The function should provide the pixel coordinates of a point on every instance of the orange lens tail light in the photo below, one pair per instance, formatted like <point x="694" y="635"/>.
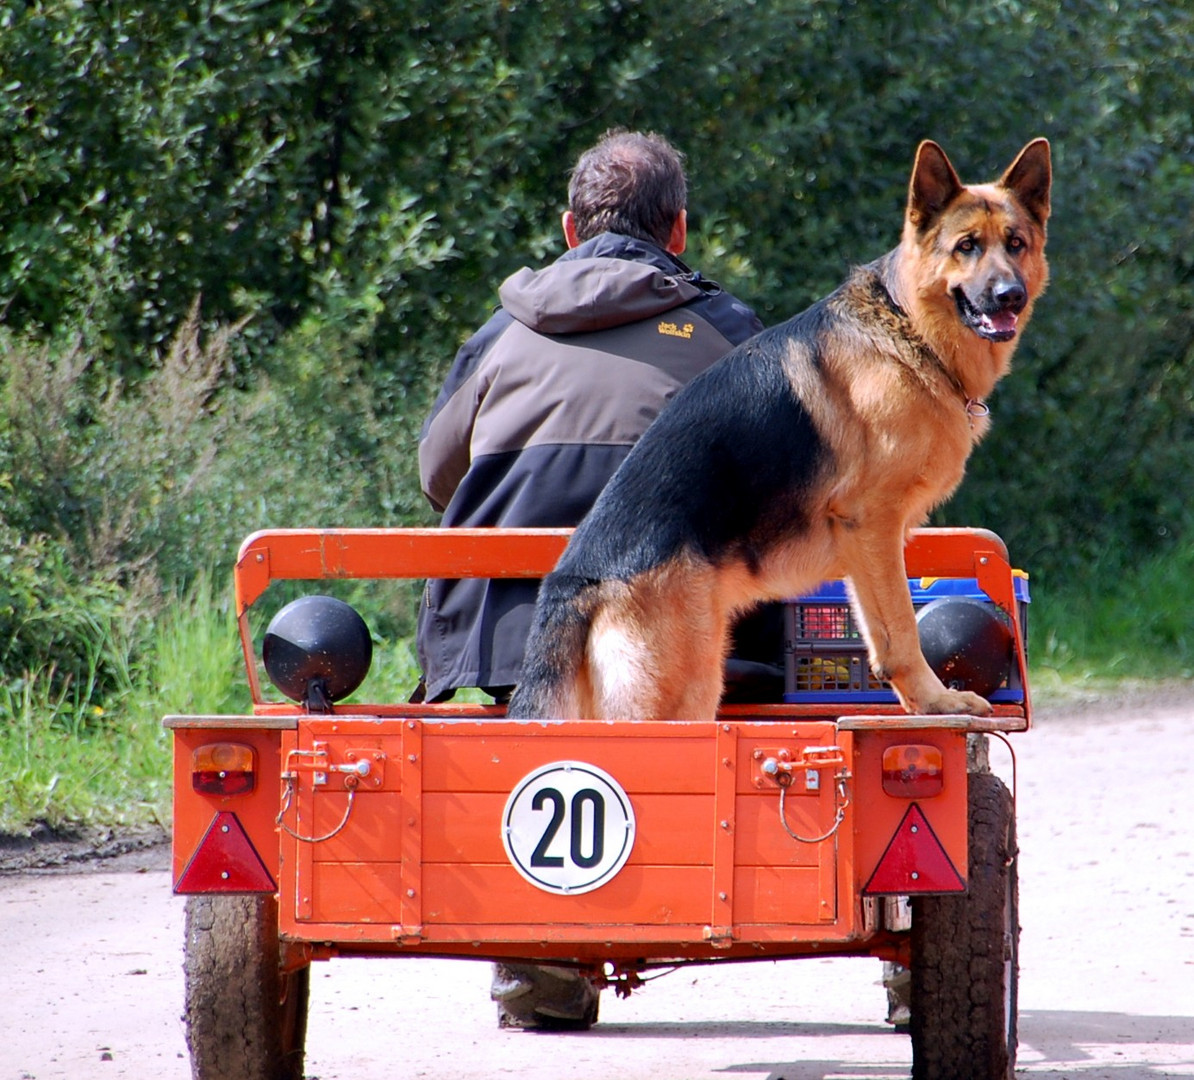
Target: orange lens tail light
<point x="223" y="769"/>
<point x="912" y="771"/>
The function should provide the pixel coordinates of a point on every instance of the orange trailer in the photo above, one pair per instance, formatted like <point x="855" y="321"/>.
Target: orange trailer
<point x="828" y="823"/>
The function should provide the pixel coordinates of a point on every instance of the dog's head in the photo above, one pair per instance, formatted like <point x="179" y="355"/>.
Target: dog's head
<point x="980" y="248"/>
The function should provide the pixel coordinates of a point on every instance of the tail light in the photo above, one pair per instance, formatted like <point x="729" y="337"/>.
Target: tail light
<point x="223" y="769"/>
<point x="912" y="771"/>
<point x="915" y="861"/>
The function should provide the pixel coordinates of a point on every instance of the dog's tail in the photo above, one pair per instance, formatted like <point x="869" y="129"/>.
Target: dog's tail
<point x="555" y="655"/>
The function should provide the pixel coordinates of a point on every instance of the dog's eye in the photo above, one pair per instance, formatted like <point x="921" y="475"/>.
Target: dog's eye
<point x="1016" y="243"/>
<point x="967" y="245"/>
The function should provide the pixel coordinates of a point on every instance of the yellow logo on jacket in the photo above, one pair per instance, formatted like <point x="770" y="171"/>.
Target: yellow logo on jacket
<point x="671" y="329"/>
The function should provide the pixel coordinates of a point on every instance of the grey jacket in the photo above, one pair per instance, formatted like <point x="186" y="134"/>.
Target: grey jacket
<point x="539" y="408"/>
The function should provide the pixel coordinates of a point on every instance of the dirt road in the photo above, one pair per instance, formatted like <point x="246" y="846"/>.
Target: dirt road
<point x="91" y="979"/>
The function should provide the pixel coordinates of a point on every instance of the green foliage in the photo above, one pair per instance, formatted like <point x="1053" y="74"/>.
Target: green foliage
<point x="69" y="760"/>
<point x="63" y="756"/>
<point x="801" y="120"/>
<point x="1121" y="624"/>
<point x="194" y="663"/>
<point x="56" y="628"/>
<point x="115" y="474"/>
<point x="1088" y="464"/>
<point x="356" y="177"/>
<point x="114" y="770"/>
<point x="121" y="493"/>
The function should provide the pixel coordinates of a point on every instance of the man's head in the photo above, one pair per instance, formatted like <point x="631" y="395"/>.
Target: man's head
<point x="630" y="183"/>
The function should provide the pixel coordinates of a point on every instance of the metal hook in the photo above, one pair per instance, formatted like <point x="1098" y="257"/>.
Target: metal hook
<point x="841" y="798"/>
<point x="288" y="796"/>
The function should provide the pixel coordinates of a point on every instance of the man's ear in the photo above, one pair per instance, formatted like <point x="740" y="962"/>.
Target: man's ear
<point x="678" y="240"/>
<point x="569" y="223"/>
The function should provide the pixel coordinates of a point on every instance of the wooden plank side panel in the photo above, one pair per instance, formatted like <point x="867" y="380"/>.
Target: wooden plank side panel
<point x="781" y="881"/>
<point x="434" y="826"/>
<point x="374" y="832"/>
<point x="639" y="895"/>
<point x="354" y="892"/>
<point x="784" y="895"/>
<point x="762" y="840"/>
<point x="466" y="827"/>
<point x="469" y="757"/>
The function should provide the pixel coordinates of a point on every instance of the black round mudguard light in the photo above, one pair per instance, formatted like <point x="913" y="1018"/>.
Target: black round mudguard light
<point x="317" y="650"/>
<point x="966" y="643"/>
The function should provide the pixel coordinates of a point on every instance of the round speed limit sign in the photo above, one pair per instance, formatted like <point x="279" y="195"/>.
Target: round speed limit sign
<point x="568" y="827"/>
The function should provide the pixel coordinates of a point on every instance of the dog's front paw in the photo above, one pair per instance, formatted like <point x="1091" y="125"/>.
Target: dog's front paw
<point x="958" y="701"/>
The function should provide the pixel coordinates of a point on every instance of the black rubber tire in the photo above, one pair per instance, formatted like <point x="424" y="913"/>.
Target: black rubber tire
<point x="965" y="954"/>
<point x="245" y="1020"/>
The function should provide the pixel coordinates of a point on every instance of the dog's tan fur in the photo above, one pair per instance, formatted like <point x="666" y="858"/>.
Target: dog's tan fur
<point x="893" y="384"/>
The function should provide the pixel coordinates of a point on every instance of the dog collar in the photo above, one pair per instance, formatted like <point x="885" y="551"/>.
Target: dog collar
<point x="975" y="408"/>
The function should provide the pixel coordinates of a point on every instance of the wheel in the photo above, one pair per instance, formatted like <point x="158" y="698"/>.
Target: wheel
<point x="245" y="1019"/>
<point x="965" y="955"/>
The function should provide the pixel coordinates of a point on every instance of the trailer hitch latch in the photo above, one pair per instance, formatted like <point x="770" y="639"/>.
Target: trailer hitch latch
<point x="783" y="766"/>
<point x="360" y="769"/>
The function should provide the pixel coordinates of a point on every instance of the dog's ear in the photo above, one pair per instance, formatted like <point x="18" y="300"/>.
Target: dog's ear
<point x="1030" y="178"/>
<point x="933" y="187"/>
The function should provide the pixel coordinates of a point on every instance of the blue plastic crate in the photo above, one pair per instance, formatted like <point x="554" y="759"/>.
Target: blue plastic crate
<point x="825" y="658"/>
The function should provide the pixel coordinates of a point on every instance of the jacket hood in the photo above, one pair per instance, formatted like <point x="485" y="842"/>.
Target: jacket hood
<point x="609" y="281"/>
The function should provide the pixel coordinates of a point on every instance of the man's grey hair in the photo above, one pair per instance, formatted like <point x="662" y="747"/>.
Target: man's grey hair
<point x="631" y="183"/>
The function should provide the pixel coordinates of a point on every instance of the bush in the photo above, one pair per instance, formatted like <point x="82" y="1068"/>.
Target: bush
<point x="117" y="495"/>
<point x="345" y="182"/>
<point x="57" y="628"/>
<point x="356" y="178"/>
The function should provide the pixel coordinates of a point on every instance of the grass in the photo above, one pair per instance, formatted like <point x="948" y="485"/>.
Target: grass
<point x="66" y="764"/>
<point x="1117" y="626"/>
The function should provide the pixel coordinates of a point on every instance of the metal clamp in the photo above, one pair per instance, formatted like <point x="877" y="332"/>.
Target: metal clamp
<point x="317" y="761"/>
<point x="779" y="767"/>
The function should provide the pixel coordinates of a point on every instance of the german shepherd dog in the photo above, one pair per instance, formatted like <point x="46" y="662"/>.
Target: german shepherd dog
<point x="807" y="453"/>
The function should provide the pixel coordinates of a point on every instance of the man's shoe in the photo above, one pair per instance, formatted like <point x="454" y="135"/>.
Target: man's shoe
<point x="543" y="997"/>
<point x="897" y="980"/>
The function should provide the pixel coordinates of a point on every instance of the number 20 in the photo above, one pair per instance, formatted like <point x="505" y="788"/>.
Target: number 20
<point x="597" y="842"/>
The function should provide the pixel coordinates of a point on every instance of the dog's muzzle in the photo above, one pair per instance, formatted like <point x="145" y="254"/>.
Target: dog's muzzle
<point x="997" y="316"/>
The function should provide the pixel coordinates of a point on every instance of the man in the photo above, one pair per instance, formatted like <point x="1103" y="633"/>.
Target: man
<point x="540" y="407"/>
<point x="544" y="402"/>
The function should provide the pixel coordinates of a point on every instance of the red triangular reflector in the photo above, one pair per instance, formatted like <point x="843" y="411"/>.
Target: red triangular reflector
<point x="914" y="862"/>
<point x="225" y="862"/>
